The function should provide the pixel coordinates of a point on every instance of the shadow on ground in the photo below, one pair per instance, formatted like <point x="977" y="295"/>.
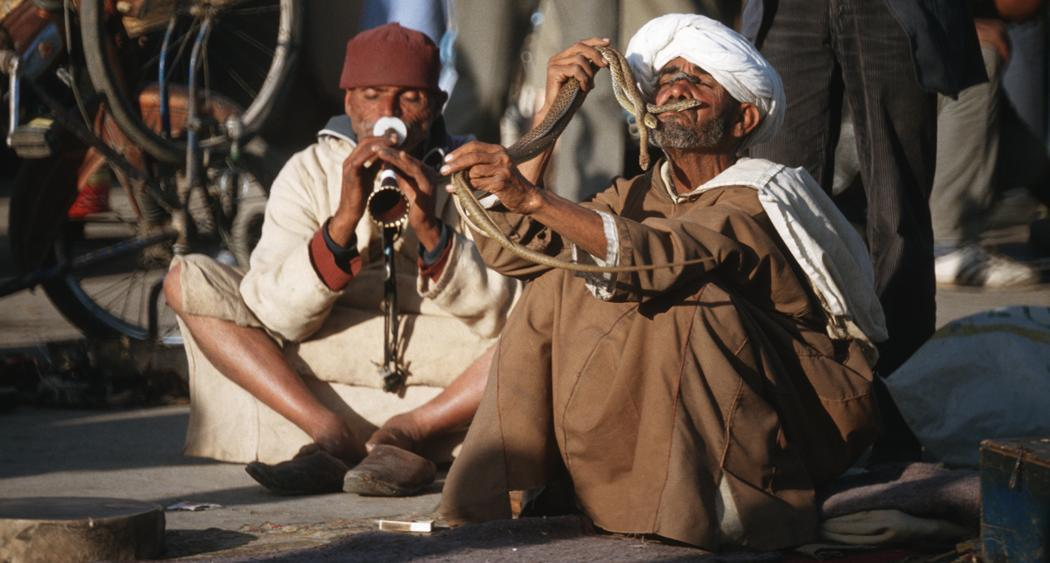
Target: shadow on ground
<point x="530" y="539"/>
<point x="187" y="543"/>
<point x="41" y="441"/>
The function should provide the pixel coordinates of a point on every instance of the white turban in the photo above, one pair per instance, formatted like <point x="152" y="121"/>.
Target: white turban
<point x="720" y="51"/>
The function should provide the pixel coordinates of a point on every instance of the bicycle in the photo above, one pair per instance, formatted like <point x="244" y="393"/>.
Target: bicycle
<point x="192" y="179"/>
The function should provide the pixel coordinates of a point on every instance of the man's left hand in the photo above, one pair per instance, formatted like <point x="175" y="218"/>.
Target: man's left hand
<point x="490" y="169"/>
<point x="416" y="181"/>
<point x="992" y="32"/>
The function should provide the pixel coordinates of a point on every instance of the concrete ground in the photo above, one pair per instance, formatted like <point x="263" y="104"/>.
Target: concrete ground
<point x="135" y="454"/>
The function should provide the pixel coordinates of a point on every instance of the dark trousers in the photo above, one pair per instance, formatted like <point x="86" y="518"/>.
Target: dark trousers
<point x="831" y="51"/>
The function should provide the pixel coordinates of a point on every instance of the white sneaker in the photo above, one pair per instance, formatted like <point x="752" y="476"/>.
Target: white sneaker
<point x="972" y="265"/>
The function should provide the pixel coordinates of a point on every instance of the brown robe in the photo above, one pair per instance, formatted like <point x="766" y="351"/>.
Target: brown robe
<point x="701" y="403"/>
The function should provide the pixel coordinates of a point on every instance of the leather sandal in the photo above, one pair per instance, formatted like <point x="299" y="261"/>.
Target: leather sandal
<point x="312" y="471"/>
<point x="390" y="471"/>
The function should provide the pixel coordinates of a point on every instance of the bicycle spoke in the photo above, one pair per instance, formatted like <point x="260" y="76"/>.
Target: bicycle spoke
<point x="123" y="283"/>
<point x="259" y="45"/>
<point x="254" y="11"/>
<point x="140" y="289"/>
<point x="106" y="291"/>
<point x="180" y="40"/>
<point x="127" y="297"/>
<point x="143" y="318"/>
<point x="251" y="59"/>
<point x="236" y="76"/>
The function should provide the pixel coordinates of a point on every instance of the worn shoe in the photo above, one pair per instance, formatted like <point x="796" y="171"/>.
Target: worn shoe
<point x="972" y="265"/>
<point x="312" y="471"/>
<point x="389" y="471"/>
<point x="92" y="198"/>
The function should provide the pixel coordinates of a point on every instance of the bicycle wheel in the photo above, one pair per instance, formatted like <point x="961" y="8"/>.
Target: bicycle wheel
<point x="122" y="262"/>
<point x="250" y="54"/>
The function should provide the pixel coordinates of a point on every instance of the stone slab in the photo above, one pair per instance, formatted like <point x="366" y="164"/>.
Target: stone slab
<point x="79" y="529"/>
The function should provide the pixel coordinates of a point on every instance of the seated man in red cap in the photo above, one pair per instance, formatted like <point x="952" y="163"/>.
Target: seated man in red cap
<point x="285" y="356"/>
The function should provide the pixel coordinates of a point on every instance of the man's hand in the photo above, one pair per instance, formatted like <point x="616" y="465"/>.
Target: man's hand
<point x="359" y="172"/>
<point x="490" y="169"/>
<point x="416" y="181"/>
<point x="992" y="32"/>
<point x="580" y="61"/>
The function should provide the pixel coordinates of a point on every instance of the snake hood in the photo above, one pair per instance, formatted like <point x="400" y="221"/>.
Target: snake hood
<point x="722" y="52"/>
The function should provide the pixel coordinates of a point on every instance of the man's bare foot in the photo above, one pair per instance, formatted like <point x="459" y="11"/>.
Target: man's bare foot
<point x="402" y="431"/>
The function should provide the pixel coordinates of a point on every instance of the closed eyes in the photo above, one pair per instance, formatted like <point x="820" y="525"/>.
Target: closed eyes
<point x="669" y="79"/>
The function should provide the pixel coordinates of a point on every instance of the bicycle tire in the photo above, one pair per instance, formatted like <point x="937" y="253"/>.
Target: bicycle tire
<point x="246" y="230"/>
<point x="81" y="304"/>
<point x="97" y="45"/>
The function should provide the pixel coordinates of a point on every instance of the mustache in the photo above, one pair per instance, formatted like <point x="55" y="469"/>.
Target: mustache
<point x="410" y="125"/>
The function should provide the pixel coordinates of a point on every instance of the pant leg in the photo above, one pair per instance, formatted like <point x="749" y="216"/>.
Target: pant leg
<point x="427" y="16"/>
<point x="796" y="45"/>
<point x="489" y="36"/>
<point x="591" y="149"/>
<point x="1023" y="158"/>
<point x="967" y="152"/>
<point x="223" y="420"/>
<point x="895" y="123"/>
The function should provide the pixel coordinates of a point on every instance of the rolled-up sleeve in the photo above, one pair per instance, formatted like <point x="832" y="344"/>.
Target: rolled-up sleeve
<point x="708" y="237"/>
<point x="601" y="285"/>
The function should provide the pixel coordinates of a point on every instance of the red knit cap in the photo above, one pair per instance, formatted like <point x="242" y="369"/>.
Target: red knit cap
<point x="391" y="55"/>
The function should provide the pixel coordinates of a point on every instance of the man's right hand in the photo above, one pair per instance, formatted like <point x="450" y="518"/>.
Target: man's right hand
<point x="359" y="172"/>
<point x="580" y="61"/>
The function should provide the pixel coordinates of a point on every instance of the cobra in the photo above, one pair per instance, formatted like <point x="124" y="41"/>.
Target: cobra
<point x="543" y="135"/>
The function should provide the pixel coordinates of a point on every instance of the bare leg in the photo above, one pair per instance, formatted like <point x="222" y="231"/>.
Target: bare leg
<point x="450" y="410"/>
<point x="393" y="466"/>
<point x="251" y="359"/>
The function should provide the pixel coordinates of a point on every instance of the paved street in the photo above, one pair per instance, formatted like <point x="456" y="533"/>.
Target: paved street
<point x="135" y="454"/>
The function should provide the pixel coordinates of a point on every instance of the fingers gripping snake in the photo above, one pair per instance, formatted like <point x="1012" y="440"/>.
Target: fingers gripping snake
<point x="546" y="133"/>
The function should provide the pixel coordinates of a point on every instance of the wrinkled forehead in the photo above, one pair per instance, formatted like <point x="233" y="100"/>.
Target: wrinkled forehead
<point x="682" y="66"/>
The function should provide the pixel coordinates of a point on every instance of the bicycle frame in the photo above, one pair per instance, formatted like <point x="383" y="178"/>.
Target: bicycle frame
<point x="216" y="179"/>
<point x="9" y="63"/>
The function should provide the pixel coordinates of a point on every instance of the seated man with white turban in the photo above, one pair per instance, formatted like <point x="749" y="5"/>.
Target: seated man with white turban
<point x="702" y="402"/>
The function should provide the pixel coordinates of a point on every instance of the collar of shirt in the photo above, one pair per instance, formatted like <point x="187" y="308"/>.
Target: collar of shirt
<point x="665" y="177"/>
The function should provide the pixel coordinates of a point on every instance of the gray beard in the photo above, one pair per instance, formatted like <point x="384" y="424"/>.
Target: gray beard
<point x="672" y="135"/>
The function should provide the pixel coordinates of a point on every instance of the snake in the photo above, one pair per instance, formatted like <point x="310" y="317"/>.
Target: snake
<point x="543" y="135"/>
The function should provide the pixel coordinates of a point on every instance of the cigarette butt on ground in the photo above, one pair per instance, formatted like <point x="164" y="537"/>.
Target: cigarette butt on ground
<point x="417" y="527"/>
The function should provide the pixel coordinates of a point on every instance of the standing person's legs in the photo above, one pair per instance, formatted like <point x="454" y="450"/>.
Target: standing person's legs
<point x="427" y="16"/>
<point x="488" y="43"/>
<point x="796" y="45"/>
<point x="970" y="171"/>
<point x="895" y="123"/>
<point x="592" y="145"/>
<point x="1023" y="157"/>
<point x="896" y="127"/>
<point x="967" y="151"/>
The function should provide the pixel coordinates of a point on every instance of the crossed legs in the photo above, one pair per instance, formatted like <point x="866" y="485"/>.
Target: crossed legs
<point x="252" y="359"/>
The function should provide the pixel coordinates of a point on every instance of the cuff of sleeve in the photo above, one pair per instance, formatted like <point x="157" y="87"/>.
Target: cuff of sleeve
<point x="602" y="285"/>
<point x="429" y="258"/>
<point x="432" y="264"/>
<point x="335" y="265"/>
